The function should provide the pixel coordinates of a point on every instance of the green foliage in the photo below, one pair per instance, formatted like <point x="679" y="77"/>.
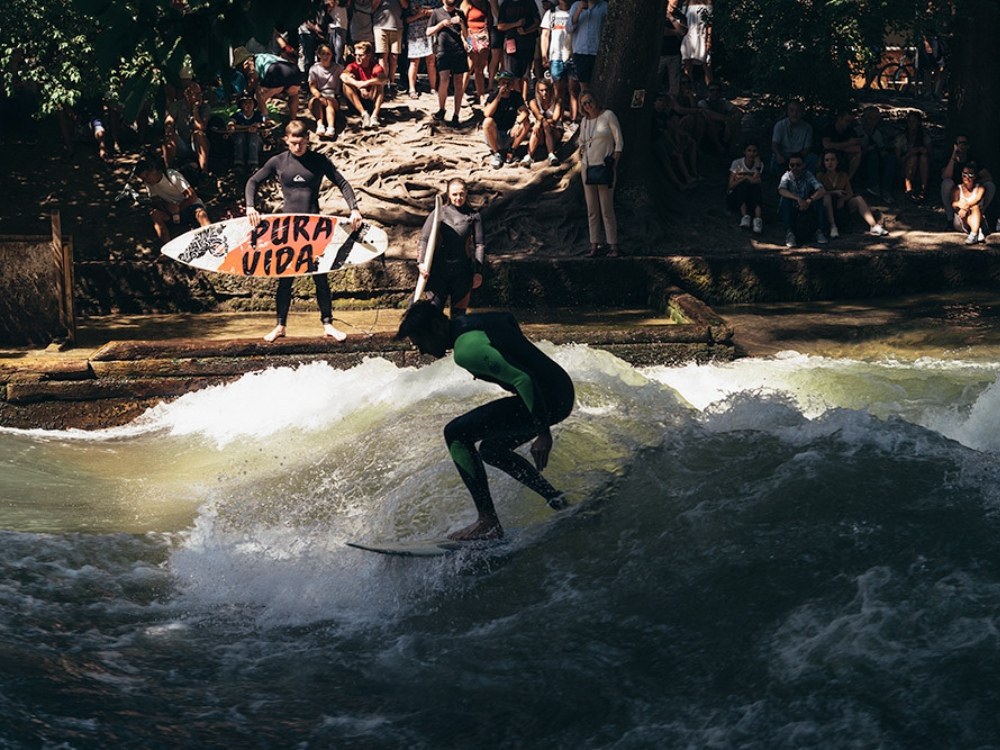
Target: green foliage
<point x="809" y="48"/>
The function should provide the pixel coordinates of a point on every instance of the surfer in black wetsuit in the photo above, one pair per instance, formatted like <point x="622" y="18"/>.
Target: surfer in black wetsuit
<point x="492" y="348"/>
<point x="300" y="172"/>
<point x="454" y="271"/>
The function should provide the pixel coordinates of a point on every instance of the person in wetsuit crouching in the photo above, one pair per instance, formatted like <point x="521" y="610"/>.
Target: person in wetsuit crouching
<point x="492" y="347"/>
<point x="454" y="271"/>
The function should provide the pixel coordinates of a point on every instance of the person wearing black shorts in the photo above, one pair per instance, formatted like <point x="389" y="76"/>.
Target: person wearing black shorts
<point x="492" y="348"/>
<point x="300" y="173"/>
<point x="519" y="22"/>
<point x="448" y="27"/>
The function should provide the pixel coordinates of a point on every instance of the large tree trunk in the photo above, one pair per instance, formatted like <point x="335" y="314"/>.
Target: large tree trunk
<point x="625" y="79"/>
<point x="974" y="86"/>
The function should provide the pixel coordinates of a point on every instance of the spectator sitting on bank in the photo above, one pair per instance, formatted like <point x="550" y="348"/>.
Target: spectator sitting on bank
<point x="269" y="76"/>
<point x="744" y="189"/>
<point x="185" y="129"/>
<point x="961" y="153"/>
<point x="800" y="202"/>
<point x="684" y="106"/>
<point x="672" y="146"/>
<point x="878" y="159"/>
<point x="176" y="206"/>
<point x="546" y="110"/>
<point x="507" y="122"/>
<point x="325" y="86"/>
<point x="913" y="147"/>
<point x="967" y="204"/>
<point x="792" y="135"/>
<point x="244" y="128"/>
<point x="722" y="119"/>
<point x="364" y="84"/>
<point x="840" y="137"/>
<point x="840" y="199"/>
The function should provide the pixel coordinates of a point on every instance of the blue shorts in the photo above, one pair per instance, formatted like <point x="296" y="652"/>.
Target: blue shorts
<point x="557" y="69"/>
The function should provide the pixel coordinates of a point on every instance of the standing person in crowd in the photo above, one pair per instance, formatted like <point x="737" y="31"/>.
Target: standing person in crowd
<point x="176" y="206"/>
<point x="362" y="29"/>
<point x="186" y="128"/>
<point x="842" y="138"/>
<point x="387" y="22"/>
<point x="460" y="252"/>
<point x="557" y="48"/>
<point x="967" y="204"/>
<point x="519" y="22"/>
<point x="586" y="19"/>
<point x="269" y="76"/>
<point x="507" y="122"/>
<point x="792" y="135"/>
<point x="546" y="110"/>
<point x="492" y="347"/>
<point x="447" y="26"/>
<point x="300" y="172"/>
<point x="696" y="47"/>
<point x="325" y="86"/>
<point x="311" y="33"/>
<point x="479" y="16"/>
<point x="601" y="145"/>
<point x="913" y="149"/>
<point x="364" y="84"/>
<point x="840" y="199"/>
<point x="672" y="146"/>
<point x="800" y="202"/>
<point x="244" y="128"/>
<point x="674" y="30"/>
<point x="744" y="189"/>
<point x="961" y="153"/>
<point x="878" y="160"/>
<point x="419" y="45"/>
<point x="337" y="22"/>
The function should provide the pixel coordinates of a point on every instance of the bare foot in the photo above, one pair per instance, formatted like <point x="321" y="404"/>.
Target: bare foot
<point x="334" y="333"/>
<point x="481" y="529"/>
<point x="277" y="333"/>
<point x="559" y="502"/>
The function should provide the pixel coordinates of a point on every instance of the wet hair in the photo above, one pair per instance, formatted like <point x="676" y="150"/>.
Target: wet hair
<point x="421" y="317"/>
<point x="451" y="182"/>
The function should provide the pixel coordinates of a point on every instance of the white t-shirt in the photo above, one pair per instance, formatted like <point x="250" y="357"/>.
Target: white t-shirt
<point x="559" y="40"/>
<point x="739" y="166"/>
<point x="170" y="188"/>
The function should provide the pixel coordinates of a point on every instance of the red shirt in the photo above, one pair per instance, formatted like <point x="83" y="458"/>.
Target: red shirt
<point x="358" y="73"/>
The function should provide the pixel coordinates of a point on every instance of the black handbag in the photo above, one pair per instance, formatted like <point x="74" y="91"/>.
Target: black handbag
<point x="600" y="174"/>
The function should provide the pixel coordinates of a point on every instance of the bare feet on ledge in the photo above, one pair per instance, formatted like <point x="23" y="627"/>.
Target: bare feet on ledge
<point x="481" y="530"/>
<point x="277" y="333"/>
<point x="334" y="333"/>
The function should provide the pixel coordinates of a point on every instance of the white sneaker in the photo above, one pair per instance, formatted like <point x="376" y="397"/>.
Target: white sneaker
<point x="526" y="161"/>
<point x="981" y="237"/>
<point x="496" y="161"/>
<point x="972" y="239"/>
<point x="373" y="122"/>
<point x="834" y="233"/>
<point x="820" y="237"/>
<point x="365" y="120"/>
<point x="745" y="221"/>
<point x="879" y="231"/>
<point x="758" y="225"/>
<point x="790" y="239"/>
<point x="553" y="160"/>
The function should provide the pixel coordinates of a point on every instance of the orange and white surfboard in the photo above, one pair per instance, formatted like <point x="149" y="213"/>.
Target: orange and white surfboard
<point x="280" y="245"/>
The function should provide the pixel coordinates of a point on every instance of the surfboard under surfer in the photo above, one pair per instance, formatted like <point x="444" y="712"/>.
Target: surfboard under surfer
<point x="492" y="347"/>
<point x="300" y="172"/>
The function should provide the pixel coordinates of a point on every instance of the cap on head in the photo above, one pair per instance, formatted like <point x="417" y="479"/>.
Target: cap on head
<point x="240" y="56"/>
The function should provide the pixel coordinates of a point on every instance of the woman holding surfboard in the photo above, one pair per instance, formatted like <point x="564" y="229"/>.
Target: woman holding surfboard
<point x="451" y="270"/>
<point x="300" y="172"/>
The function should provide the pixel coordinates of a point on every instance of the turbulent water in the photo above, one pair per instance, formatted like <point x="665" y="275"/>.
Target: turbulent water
<point x="788" y="553"/>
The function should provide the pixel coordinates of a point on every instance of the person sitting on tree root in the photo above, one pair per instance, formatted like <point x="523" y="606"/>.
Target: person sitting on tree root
<point x="492" y="347"/>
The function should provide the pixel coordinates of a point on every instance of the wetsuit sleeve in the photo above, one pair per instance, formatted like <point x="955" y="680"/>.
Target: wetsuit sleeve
<point x="425" y="235"/>
<point x="263" y="174"/>
<point x="341" y="182"/>
<point x="475" y="352"/>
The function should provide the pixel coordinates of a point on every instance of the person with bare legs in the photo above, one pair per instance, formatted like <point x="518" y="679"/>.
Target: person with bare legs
<point x="448" y="28"/>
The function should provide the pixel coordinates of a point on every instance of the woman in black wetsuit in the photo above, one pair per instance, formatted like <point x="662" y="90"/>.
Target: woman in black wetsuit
<point x="300" y="172"/>
<point x="456" y="269"/>
<point x="492" y="347"/>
